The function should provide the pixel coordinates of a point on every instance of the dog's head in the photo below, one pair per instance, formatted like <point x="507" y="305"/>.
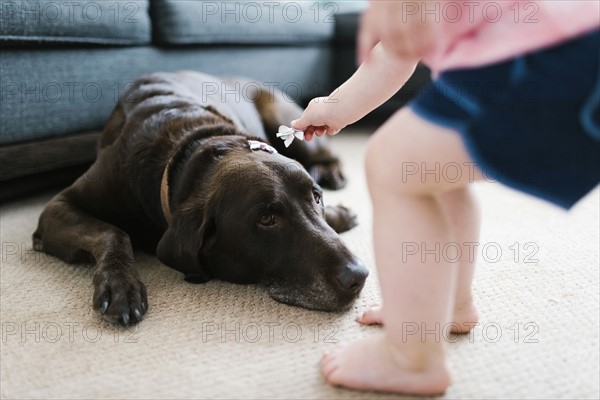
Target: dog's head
<point x="244" y="213"/>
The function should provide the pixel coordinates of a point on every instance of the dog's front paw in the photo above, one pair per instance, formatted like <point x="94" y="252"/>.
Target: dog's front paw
<point x="119" y="296"/>
<point x="328" y="175"/>
<point x="340" y="218"/>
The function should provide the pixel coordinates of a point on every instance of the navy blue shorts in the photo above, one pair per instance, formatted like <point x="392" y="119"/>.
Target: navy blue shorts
<point x="532" y="123"/>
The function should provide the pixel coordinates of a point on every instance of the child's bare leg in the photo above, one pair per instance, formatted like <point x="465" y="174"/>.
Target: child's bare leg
<point x="408" y="356"/>
<point x="462" y="214"/>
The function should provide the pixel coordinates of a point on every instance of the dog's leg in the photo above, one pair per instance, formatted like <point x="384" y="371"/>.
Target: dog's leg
<point x="66" y="231"/>
<point x="275" y="110"/>
<point x="340" y="218"/>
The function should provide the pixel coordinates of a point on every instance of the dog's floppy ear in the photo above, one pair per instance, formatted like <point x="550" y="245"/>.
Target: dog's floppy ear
<point x="181" y="245"/>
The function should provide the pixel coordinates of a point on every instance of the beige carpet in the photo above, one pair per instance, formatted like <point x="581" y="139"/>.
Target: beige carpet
<point x="538" y="337"/>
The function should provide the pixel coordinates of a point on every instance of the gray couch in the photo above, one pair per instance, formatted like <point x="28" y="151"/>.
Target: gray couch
<point x="64" y="63"/>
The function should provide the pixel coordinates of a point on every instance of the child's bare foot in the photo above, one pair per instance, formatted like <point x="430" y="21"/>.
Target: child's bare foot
<point x="464" y="319"/>
<point x="375" y="364"/>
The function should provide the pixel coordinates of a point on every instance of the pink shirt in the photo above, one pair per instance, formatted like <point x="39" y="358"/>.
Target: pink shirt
<point x="476" y="33"/>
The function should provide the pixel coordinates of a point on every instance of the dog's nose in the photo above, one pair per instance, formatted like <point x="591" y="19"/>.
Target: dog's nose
<point x="352" y="278"/>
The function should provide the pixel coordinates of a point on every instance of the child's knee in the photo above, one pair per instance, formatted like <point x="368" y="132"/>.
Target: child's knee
<point x="389" y="156"/>
<point x="407" y="156"/>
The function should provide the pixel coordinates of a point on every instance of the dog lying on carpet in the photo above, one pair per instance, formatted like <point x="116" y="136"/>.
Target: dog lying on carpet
<point x="199" y="178"/>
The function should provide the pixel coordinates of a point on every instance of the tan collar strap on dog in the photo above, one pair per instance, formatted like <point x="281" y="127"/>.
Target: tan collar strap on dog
<point x="164" y="192"/>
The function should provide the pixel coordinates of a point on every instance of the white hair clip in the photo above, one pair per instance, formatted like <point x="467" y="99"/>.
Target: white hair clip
<point x="255" y="145"/>
<point x="288" y="134"/>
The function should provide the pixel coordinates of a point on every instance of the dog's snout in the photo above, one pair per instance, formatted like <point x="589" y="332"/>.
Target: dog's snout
<point x="352" y="277"/>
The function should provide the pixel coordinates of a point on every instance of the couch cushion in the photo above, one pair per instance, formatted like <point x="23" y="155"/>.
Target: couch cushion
<point x="114" y="22"/>
<point x="51" y="92"/>
<point x="242" y="21"/>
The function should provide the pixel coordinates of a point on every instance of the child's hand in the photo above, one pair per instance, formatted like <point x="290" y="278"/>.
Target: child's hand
<point x="399" y="27"/>
<point x="319" y="118"/>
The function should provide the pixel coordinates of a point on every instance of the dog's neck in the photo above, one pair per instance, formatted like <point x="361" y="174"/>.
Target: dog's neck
<point x="165" y="193"/>
<point x="182" y="152"/>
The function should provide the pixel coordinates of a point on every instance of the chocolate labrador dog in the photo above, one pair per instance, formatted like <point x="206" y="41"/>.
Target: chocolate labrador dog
<point x="188" y="166"/>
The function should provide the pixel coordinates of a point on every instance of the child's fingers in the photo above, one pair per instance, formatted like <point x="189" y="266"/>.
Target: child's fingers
<point x="308" y="133"/>
<point x="320" y="131"/>
<point x="299" y="124"/>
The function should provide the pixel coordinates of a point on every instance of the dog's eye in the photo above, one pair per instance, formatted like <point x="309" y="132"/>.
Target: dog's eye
<point x="267" y="219"/>
<point x="219" y="151"/>
<point x="318" y="197"/>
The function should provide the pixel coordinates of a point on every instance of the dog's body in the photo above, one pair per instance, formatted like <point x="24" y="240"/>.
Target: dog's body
<point x="184" y="169"/>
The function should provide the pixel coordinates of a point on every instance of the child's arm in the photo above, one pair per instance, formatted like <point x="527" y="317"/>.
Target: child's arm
<point x="375" y="81"/>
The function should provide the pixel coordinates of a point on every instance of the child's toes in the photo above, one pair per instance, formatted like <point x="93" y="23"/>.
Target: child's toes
<point x="328" y="364"/>
<point x="373" y="316"/>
